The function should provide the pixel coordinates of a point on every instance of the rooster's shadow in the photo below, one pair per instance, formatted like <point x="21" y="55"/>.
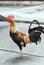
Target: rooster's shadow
<point x="23" y="59"/>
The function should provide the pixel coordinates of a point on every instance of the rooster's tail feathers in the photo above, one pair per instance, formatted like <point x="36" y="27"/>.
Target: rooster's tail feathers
<point x="35" y="33"/>
<point x="35" y="36"/>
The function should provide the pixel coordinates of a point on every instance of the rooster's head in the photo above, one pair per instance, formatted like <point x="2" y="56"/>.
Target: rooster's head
<point x="10" y="18"/>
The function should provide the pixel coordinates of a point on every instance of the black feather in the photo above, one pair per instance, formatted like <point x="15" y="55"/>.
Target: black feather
<point x="35" y="36"/>
<point x="39" y="28"/>
<point x="35" y="33"/>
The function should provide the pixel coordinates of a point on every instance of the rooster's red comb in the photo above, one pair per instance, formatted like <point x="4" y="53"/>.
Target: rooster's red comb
<point x="10" y="16"/>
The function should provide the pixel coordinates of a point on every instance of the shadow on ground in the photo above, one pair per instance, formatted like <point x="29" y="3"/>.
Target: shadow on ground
<point x="23" y="59"/>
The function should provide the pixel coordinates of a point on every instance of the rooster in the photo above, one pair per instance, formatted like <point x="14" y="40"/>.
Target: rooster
<point x="22" y="39"/>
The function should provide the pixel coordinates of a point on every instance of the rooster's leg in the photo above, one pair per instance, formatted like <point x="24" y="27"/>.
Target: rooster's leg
<point x="20" y="47"/>
<point x="19" y="53"/>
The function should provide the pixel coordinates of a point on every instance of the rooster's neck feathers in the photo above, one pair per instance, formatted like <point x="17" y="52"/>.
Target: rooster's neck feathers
<point x="13" y="26"/>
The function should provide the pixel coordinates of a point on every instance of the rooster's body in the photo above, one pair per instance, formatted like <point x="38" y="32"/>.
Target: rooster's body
<point x="22" y="39"/>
